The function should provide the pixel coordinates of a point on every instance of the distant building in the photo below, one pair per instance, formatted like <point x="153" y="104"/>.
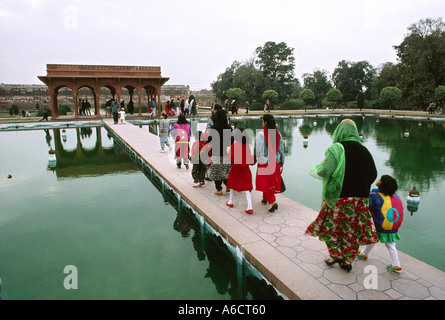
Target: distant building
<point x="27" y="95"/>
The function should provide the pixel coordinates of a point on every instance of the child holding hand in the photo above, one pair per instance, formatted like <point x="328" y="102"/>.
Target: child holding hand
<point x="240" y="176"/>
<point x="387" y="212"/>
<point x="200" y="158"/>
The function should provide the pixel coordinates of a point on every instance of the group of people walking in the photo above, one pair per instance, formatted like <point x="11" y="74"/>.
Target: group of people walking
<point x="185" y="107"/>
<point x="350" y="216"/>
<point x="223" y="155"/>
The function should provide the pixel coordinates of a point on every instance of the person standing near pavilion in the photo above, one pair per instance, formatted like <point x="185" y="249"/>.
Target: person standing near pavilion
<point x="45" y="111"/>
<point x="153" y="108"/>
<point x="115" y="107"/>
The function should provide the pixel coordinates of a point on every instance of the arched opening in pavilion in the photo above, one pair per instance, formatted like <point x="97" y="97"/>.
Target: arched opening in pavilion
<point x="64" y="99"/>
<point x="86" y="103"/>
<point x="134" y="79"/>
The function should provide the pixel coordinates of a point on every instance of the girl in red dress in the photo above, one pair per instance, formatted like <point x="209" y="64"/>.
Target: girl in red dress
<point x="240" y="177"/>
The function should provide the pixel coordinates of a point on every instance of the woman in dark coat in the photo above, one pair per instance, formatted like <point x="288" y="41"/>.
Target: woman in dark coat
<point x="221" y="139"/>
<point x="345" y="221"/>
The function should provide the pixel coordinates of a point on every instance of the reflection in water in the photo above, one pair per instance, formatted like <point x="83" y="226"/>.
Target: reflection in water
<point x="418" y="160"/>
<point x="82" y="161"/>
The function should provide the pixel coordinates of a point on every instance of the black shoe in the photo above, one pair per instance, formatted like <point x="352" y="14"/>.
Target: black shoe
<point x="346" y="267"/>
<point x="264" y="201"/>
<point x="330" y="261"/>
<point x="274" y="207"/>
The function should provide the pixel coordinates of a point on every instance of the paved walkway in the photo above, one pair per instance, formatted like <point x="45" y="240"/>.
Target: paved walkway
<point x="275" y="244"/>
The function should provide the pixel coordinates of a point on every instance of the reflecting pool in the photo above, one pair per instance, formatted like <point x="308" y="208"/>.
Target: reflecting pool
<point x="96" y="210"/>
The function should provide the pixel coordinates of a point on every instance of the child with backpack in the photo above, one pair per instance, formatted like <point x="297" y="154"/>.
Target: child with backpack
<point x="387" y="212"/>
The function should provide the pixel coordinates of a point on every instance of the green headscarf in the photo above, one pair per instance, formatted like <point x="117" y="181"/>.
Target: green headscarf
<point x="332" y="169"/>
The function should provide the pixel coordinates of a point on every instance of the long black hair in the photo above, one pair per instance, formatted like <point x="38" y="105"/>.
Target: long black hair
<point x="270" y="121"/>
<point x="182" y="119"/>
<point x="221" y="120"/>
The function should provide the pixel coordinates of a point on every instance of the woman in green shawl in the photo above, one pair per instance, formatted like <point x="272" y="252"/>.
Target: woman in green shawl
<point x="348" y="171"/>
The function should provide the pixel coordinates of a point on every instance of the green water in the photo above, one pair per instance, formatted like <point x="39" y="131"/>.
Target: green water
<point x="98" y="212"/>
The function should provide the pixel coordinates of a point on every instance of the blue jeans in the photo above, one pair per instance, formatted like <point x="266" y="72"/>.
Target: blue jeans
<point x="164" y="140"/>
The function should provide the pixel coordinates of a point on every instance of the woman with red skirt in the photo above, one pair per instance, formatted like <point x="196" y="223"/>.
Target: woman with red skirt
<point x="269" y="153"/>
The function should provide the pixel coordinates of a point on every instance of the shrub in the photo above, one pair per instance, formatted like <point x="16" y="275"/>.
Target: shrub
<point x="257" y="106"/>
<point x="292" y="104"/>
<point x="64" y="109"/>
<point x="143" y="108"/>
<point x="40" y="113"/>
<point x="15" y="109"/>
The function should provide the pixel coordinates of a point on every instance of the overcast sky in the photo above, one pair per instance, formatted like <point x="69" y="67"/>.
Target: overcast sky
<point x="193" y="41"/>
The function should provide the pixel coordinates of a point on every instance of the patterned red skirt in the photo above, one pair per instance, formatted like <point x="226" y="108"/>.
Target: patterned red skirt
<point x="344" y="228"/>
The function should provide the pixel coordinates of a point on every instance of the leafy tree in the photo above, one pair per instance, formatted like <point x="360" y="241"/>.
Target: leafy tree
<point x="421" y="58"/>
<point x="439" y="93"/>
<point x="352" y="77"/>
<point x="225" y="81"/>
<point x="388" y="75"/>
<point x="235" y="93"/>
<point x="334" y="95"/>
<point x="319" y="83"/>
<point x="390" y="95"/>
<point x="308" y="96"/>
<point x="250" y="79"/>
<point x="272" y="95"/>
<point x="277" y="63"/>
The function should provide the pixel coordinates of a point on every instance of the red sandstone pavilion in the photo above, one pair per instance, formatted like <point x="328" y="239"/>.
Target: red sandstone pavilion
<point x="135" y="79"/>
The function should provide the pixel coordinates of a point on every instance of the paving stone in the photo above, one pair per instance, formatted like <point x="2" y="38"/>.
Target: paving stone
<point x="410" y="288"/>
<point x="288" y="241"/>
<point x="339" y="276"/>
<point x="310" y="256"/>
<point x="437" y="293"/>
<point x="373" y="295"/>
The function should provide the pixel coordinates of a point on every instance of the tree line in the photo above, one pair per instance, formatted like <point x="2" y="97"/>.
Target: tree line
<point x="416" y="80"/>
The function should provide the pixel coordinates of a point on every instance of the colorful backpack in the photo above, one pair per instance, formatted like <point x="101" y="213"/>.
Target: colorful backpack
<point x="387" y="210"/>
